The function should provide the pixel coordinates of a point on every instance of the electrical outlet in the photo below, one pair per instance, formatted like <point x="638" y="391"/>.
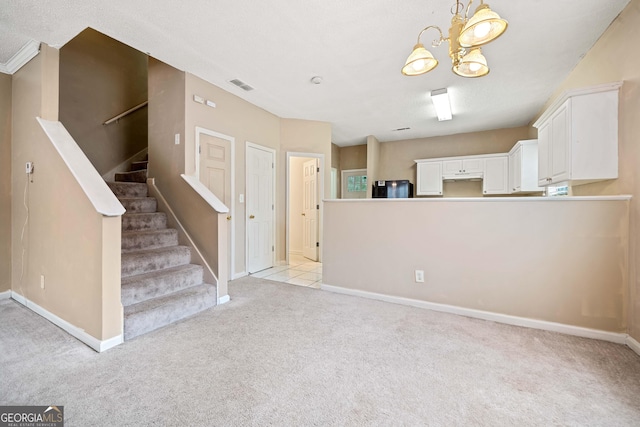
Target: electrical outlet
<point x="177" y="139"/>
<point x="42" y="281"/>
<point x="28" y="167"/>
<point x="419" y="276"/>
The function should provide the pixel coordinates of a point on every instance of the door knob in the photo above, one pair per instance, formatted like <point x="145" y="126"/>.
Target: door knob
<point x="303" y="214"/>
<point x="228" y="217"/>
<point x="251" y="216"/>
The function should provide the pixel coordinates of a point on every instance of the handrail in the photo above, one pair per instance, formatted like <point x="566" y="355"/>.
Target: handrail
<point x="126" y="113"/>
<point x="102" y="198"/>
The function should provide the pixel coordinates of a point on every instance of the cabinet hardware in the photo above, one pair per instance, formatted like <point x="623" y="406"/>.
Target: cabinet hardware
<point x="251" y="216"/>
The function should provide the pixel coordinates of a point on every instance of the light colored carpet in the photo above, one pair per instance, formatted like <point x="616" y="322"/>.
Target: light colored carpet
<point x="279" y="354"/>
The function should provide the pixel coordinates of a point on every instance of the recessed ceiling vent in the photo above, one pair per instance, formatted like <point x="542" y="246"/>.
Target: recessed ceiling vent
<point x="242" y="85"/>
<point x="399" y="129"/>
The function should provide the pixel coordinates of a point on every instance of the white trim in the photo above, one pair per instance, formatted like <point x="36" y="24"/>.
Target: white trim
<point x="633" y="344"/>
<point x="248" y="145"/>
<point x="224" y="299"/>
<point x="96" y="190"/>
<point x="321" y="200"/>
<point x="232" y="174"/>
<point x="94" y="343"/>
<point x="5" y="295"/>
<point x="26" y="53"/>
<point x="619" y="338"/>
<point x="622" y="197"/>
<point x="575" y="92"/>
<point x="239" y="275"/>
<point x="205" y="193"/>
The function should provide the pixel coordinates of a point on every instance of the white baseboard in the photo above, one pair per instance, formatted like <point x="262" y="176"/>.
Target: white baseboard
<point x="633" y="345"/>
<point x="223" y="300"/>
<point x="295" y="252"/>
<point x="619" y="338"/>
<point x="239" y="275"/>
<point x="5" y="295"/>
<point x="80" y="334"/>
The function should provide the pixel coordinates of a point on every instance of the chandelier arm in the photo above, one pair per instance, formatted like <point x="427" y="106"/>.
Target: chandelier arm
<point x="435" y="42"/>
<point x="466" y="12"/>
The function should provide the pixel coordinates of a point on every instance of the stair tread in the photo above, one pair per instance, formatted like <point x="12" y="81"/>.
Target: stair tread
<point x="131" y="280"/>
<point x="153" y="303"/>
<point x="147" y="231"/>
<point x="156" y="284"/>
<point x="156" y="251"/>
<point x="144" y="213"/>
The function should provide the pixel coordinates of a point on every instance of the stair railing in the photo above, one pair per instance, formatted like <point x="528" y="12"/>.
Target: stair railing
<point x="126" y="113"/>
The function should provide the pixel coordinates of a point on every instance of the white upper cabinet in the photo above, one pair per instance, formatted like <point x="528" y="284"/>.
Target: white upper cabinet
<point x="523" y="167"/>
<point x="496" y="175"/>
<point x="429" y="182"/>
<point x="462" y="166"/>
<point x="578" y="137"/>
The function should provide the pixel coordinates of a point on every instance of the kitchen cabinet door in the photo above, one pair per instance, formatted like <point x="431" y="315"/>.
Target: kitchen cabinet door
<point x="429" y="179"/>
<point x="496" y="175"/>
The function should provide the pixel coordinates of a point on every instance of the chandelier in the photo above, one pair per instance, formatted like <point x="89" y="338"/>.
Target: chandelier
<point x="466" y="35"/>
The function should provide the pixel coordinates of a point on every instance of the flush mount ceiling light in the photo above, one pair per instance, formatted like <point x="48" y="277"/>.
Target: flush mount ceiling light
<point x="440" y="100"/>
<point x="466" y="35"/>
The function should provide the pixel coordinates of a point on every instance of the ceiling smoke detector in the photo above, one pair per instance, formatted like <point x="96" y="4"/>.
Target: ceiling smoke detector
<point x="316" y="80"/>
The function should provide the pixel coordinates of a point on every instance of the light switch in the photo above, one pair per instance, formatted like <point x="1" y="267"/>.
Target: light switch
<point x="241" y="198"/>
<point x="177" y="139"/>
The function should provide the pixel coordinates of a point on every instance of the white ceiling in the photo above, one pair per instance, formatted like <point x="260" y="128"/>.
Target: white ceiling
<point x="357" y="46"/>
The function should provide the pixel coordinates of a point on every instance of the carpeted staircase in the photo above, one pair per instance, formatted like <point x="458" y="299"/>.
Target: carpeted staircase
<point x="159" y="285"/>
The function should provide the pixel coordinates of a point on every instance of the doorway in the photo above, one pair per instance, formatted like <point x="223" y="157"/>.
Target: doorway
<point x="215" y="155"/>
<point x="305" y="185"/>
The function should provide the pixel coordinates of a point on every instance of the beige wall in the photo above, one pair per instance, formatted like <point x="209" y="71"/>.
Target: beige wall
<point x="65" y="239"/>
<point x="374" y="157"/>
<point x="353" y="157"/>
<point x="243" y="121"/>
<point x="397" y="157"/>
<point x="610" y="60"/>
<point x="335" y="156"/>
<point x="561" y="261"/>
<point x="5" y="182"/>
<point x="99" y="79"/>
<point x="301" y="136"/>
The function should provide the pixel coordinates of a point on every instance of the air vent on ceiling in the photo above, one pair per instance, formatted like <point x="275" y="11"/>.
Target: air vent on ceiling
<point x="399" y="129"/>
<point x="241" y="84"/>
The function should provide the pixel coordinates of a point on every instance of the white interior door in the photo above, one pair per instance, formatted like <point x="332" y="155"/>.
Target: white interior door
<point x="354" y="184"/>
<point x="260" y="208"/>
<point x="310" y="210"/>
<point x="215" y="173"/>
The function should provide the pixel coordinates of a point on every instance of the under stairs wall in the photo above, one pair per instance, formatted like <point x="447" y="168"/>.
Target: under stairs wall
<point x="166" y="164"/>
<point x="65" y="253"/>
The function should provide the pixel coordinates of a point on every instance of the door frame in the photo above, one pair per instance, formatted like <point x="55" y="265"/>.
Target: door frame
<point x="273" y="195"/>
<point x="320" y="199"/>
<point x="232" y="211"/>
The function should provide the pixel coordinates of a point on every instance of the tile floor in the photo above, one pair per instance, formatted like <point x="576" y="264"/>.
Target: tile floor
<point x="300" y="271"/>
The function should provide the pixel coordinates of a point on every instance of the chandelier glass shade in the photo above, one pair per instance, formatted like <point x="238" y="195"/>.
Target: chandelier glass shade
<point x="465" y="37"/>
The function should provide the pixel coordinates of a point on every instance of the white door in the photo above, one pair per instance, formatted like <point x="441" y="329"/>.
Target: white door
<point x="215" y="174"/>
<point x="260" y="208"/>
<point x="310" y="210"/>
<point x="354" y="184"/>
